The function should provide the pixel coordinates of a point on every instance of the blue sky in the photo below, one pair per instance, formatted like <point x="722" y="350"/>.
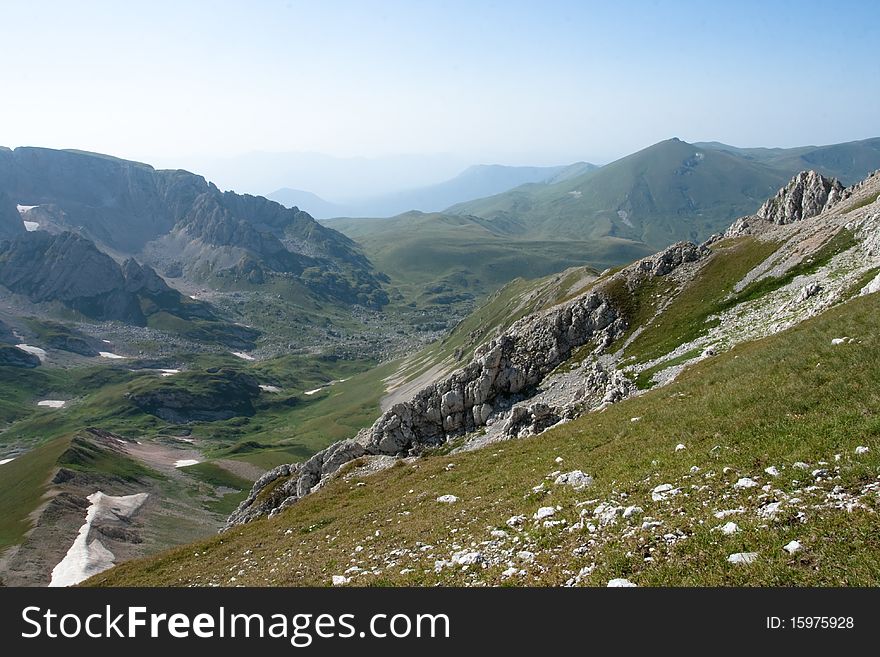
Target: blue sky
<point x="513" y="82"/>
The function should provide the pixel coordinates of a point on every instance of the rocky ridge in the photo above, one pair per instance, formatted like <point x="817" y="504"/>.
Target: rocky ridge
<point x="505" y="370"/>
<point x="510" y="389"/>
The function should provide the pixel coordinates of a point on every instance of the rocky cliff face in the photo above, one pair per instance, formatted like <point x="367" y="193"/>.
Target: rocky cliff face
<point x="71" y="270"/>
<point x="806" y="195"/>
<point x="504" y="370"/>
<point x="10" y="219"/>
<point x="176" y="220"/>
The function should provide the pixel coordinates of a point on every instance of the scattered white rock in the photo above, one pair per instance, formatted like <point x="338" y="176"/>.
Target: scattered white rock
<point x="635" y="419"/>
<point x="544" y="512"/>
<point x="695" y="469"/>
<point x="745" y="482"/>
<point x="498" y="533"/>
<point x="52" y="403"/>
<point x="525" y="555"/>
<point x="576" y="479"/>
<point x="800" y="465"/>
<point x="515" y="521"/>
<point x="680" y="447"/>
<point x="510" y="572"/>
<point x="447" y="499"/>
<point x="792" y="547"/>
<point x="467" y="558"/>
<point x="743" y="557"/>
<point x="861" y="449"/>
<point x="630" y="511"/>
<point x="770" y="510"/>
<point x="663" y="491"/>
<point x="772" y="471"/>
<point x="558" y="459"/>
<point x="340" y="580"/>
<point x="620" y="583"/>
<point x="837" y="341"/>
<point x="729" y="528"/>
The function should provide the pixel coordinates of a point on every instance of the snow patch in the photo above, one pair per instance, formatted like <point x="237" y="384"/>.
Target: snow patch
<point x="182" y="463"/>
<point x="266" y="388"/>
<point x="36" y="351"/>
<point x="52" y="403"/>
<point x="242" y="355"/>
<point x="85" y="558"/>
<point x="111" y="355"/>
<point x="31" y="226"/>
<point x="5" y="461"/>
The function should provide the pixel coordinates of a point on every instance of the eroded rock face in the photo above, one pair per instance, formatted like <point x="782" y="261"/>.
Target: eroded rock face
<point x="509" y="367"/>
<point x="806" y="195"/>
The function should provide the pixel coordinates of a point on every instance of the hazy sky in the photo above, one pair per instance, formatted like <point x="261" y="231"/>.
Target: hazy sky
<point x="513" y="82"/>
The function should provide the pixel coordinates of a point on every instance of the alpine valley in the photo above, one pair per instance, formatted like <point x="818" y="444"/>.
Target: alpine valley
<point x="660" y="371"/>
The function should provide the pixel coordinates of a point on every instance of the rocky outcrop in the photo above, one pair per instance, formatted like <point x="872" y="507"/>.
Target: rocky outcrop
<point x="806" y="195"/>
<point x="219" y="395"/>
<point x="14" y="357"/>
<point x="508" y="368"/>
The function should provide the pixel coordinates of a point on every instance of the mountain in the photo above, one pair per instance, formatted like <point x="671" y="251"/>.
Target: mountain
<point x="667" y="192"/>
<point x="711" y="401"/>
<point x="183" y="225"/>
<point x="474" y="182"/>
<point x="69" y="269"/>
<point x="848" y="162"/>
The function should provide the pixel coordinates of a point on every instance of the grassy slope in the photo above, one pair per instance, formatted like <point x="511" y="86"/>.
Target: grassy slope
<point x="791" y="397"/>
<point x="667" y="193"/>
<point x="427" y="255"/>
<point x="24" y="482"/>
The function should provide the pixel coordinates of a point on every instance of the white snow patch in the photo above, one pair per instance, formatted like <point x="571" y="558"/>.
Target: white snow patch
<point x="25" y="208"/>
<point x="182" y="463"/>
<point x="31" y="226"/>
<point x="340" y="580"/>
<point x="168" y="372"/>
<point x="85" y="558"/>
<point x="266" y="388"/>
<point x="36" y="351"/>
<point x="110" y="355"/>
<point x="5" y="461"/>
<point x="242" y="355"/>
<point x="52" y="403"/>
<point x="620" y="583"/>
<point x="743" y="557"/>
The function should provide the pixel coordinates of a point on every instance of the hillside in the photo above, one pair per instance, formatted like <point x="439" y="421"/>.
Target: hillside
<point x="695" y="413"/>
<point x="667" y="192"/>
<point x="440" y="258"/>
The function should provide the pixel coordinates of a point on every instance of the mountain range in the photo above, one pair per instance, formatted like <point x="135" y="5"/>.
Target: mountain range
<point x="474" y="182"/>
